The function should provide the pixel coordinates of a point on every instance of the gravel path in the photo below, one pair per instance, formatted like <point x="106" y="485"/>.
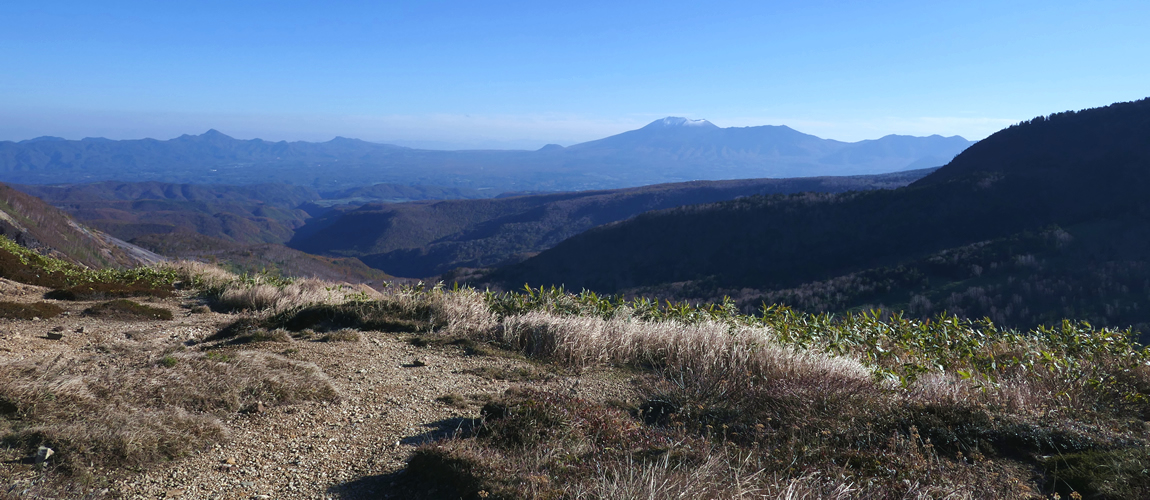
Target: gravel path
<point x="350" y="449"/>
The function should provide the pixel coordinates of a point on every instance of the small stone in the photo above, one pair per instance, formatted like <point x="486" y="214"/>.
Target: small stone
<point x="43" y="454"/>
<point x="230" y="461"/>
<point x="173" y="493"/>
<point x="257" y="407"/>
<point x="81" y="330"/>
<point x="418" y="363"/>
<point x="58" y="329"/>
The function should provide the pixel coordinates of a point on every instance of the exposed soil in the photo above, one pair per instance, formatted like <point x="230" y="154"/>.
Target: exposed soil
<point x="393" y="396"/>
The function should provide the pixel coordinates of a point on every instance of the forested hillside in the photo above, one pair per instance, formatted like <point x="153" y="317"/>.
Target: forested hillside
<point x="428" y="238"/>
<point x="1043" y="220"/>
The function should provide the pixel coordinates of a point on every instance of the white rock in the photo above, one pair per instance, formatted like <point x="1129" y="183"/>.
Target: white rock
<point x="43" y="454"/>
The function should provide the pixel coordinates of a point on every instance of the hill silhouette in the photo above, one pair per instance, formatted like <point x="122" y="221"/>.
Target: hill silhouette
<point x="668" y="150"/>
<point x="423" y="239"/>
<point x="1043" y="220"/>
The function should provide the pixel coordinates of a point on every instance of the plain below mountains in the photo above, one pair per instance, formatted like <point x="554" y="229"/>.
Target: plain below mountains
<point x="667" y="150"/>
<point x="1045" y="220"/>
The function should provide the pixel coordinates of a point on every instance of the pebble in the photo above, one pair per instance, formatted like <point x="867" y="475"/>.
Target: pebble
<point x="43" y="454"/>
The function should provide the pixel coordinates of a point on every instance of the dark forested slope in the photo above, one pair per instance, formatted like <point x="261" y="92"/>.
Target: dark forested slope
<point x="427" y="238"/>
<point x="1056" y="203"/>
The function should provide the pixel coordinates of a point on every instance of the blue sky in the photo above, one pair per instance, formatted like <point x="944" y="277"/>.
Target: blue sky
<point x="521" y="74"/>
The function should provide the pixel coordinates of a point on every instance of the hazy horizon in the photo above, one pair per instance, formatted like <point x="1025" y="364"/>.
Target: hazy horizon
<point x="522" y="74"/>
<point x="524" y="144"/>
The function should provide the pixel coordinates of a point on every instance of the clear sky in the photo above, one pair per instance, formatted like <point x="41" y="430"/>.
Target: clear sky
<point x="521" y="74"/>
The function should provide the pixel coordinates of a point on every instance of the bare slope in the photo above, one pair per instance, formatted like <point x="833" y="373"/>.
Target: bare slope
<point x="39" y="226"/>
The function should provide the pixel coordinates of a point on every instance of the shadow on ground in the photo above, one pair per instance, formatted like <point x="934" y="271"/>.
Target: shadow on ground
<point x="397" y="485"/>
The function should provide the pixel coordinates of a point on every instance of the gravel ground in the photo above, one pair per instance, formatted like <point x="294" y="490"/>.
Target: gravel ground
<point x="351" y="449"/>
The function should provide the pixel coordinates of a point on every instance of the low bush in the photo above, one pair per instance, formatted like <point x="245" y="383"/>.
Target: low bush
<point x="112" y="290"/>
<point x="26" y="266"/>
<point x="377" y="315"/>
<point x="17" y="310"/>
<point x="126" y="310"/>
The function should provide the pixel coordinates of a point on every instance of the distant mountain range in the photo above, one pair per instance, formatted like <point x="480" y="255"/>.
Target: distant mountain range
<point x="667" y="150"/>
<point x="1045" y="220"/>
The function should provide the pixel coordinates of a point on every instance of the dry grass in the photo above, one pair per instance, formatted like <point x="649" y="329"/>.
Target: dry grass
<point x="730" y="408"/>
<point x="126" y="310"/>
<point x="193" y="274"/>
<point x="16" y="310"/>
<point x="780" y="422"/>
<point x="341" y="335"/>
<point x="111" y="290"/>
<point x="121" y="406"/>
<point x="714" y="360"/>
<point x="275" y="297"/>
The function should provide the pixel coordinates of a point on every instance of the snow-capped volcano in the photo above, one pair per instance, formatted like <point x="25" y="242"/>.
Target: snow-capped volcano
<point x="678" y="121"/>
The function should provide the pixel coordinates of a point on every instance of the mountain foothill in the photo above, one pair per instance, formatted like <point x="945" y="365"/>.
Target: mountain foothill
<point x="1041" y="221"/>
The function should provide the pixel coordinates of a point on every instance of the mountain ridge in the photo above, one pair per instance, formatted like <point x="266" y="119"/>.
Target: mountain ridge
<point x="667" y="150"/>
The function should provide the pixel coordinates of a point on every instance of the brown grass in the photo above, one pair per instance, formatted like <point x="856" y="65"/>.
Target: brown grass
<point x="269" y="297"/>
<point x="126" y="310"/>
<point x="111" y="290"/>
<point x="731" y="413"/>
<point x="126" y="407"/>
<point x="342" y="335"/>
<point x="42" y="310"/>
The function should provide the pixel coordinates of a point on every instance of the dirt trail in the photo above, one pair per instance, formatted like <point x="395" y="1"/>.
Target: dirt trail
<point x="349" y="449"/>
